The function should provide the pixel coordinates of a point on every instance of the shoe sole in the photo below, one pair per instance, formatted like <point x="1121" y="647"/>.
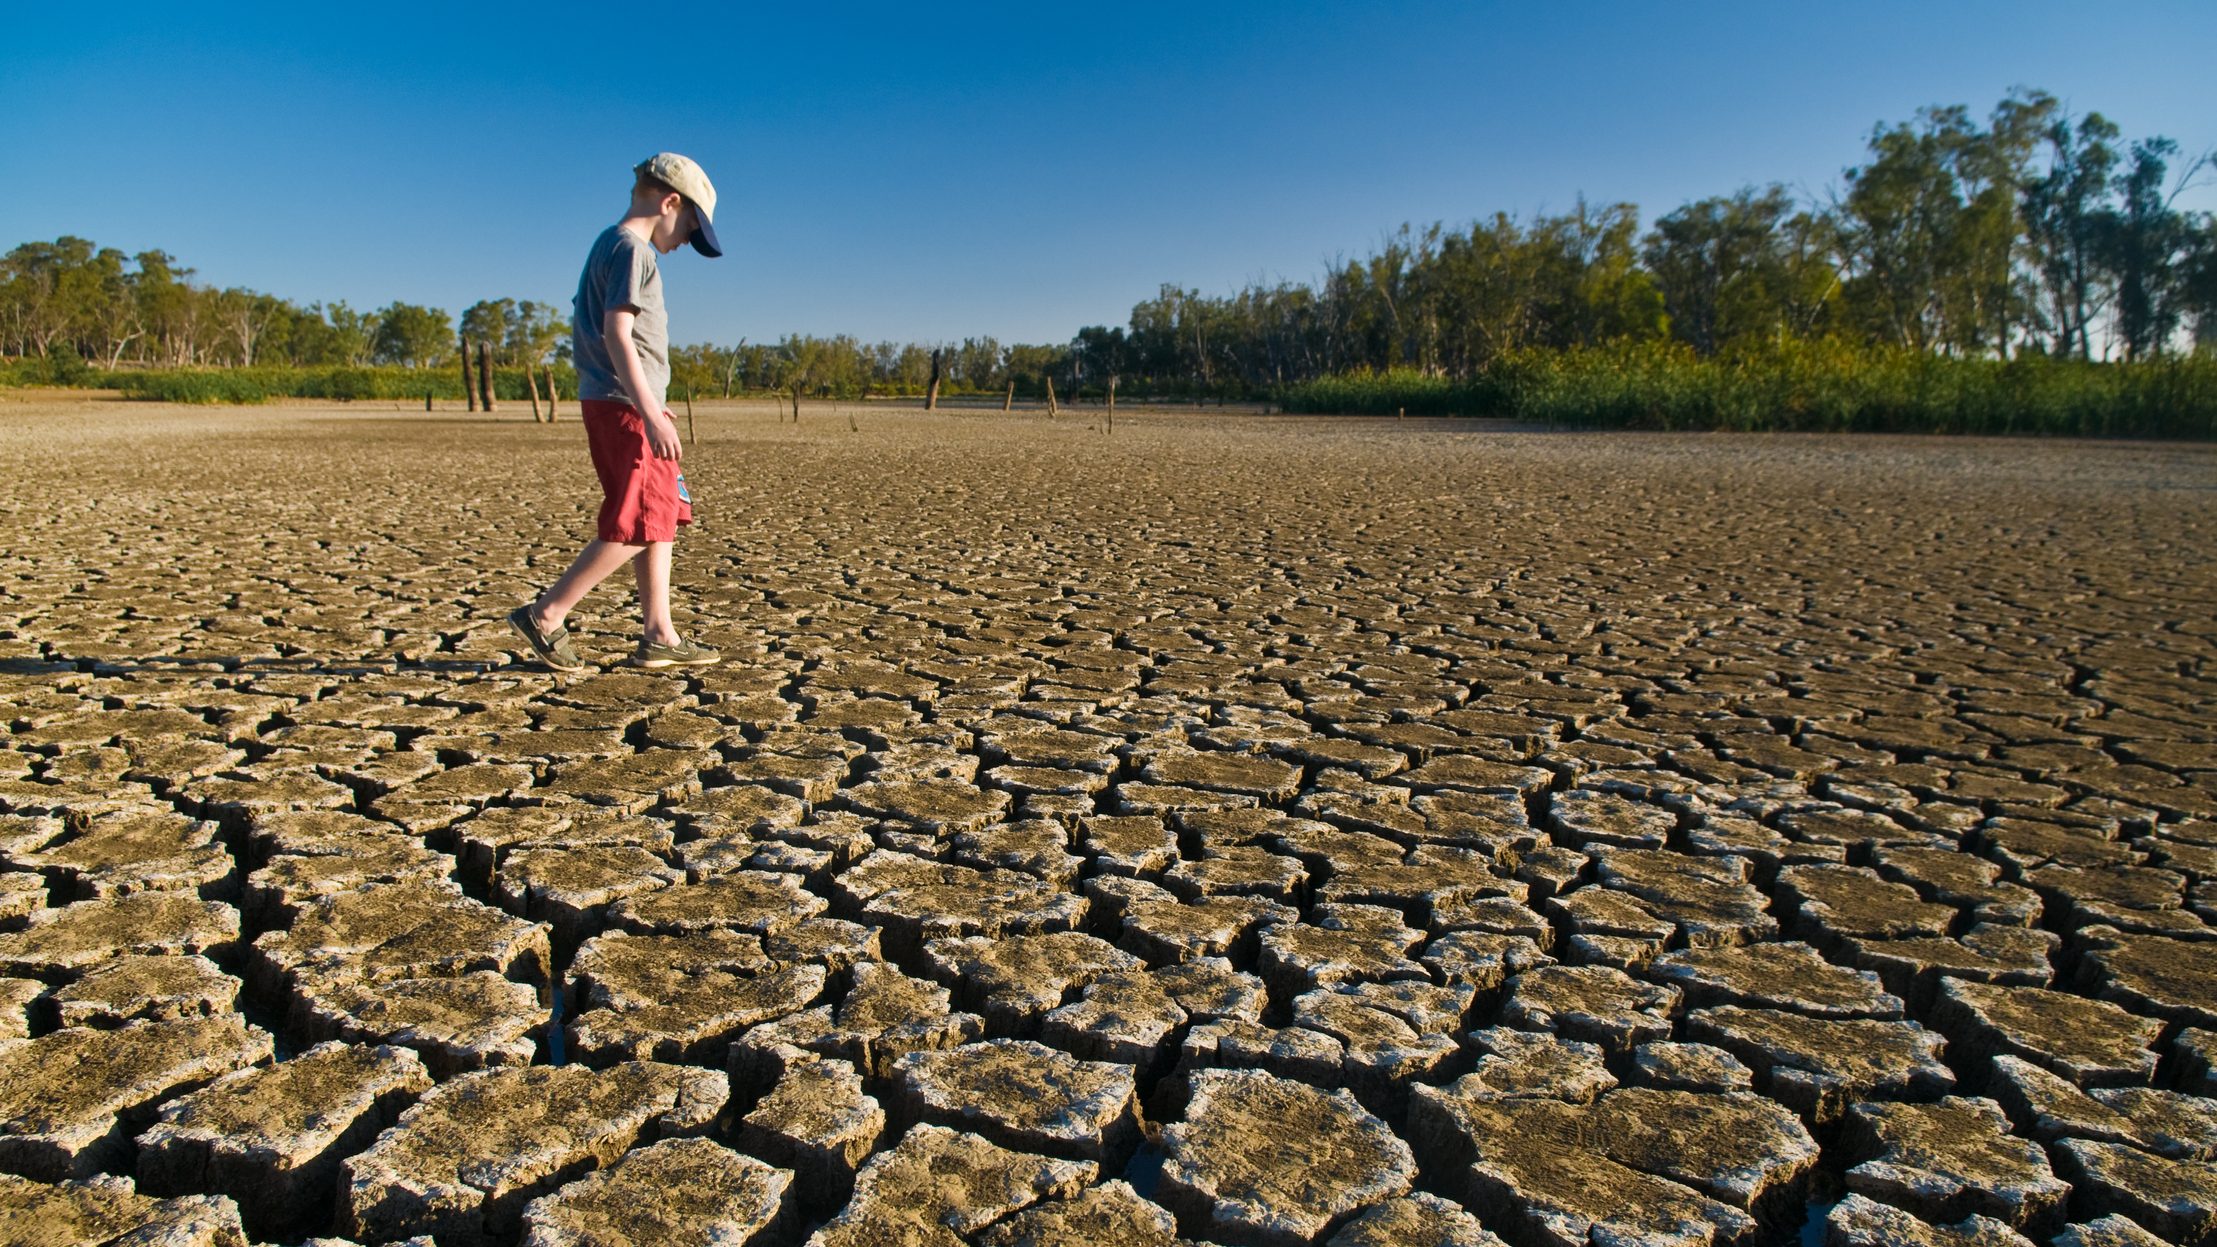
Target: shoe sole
<point x="532" y="643"/>
<point x="658" y="664"/>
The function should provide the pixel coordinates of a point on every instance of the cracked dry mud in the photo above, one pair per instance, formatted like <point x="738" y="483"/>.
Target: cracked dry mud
<point x="1233" y="830"/>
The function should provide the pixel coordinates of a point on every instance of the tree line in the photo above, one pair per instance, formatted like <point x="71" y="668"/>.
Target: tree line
<point x="108" y="309"/>
<point x="2030" y="232"/>
<point x="96" y="306"/>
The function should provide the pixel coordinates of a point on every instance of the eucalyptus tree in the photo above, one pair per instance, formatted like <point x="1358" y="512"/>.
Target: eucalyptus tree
<point x="37" y="292"/>
<point x="2201" y="283"/>
<point x="412" y="336"/>
<point x="535" y="331"/>
<point x="1749" y="266"/>
<point x="1493" y="282"/>
<point x="977" y="363"/>
<point x="1597" y="290"/>
<point x="169" y="307"/>
<point x="2149" y="249"/>
<point x="247" y="318"/>
<point x="1098" y="354"/>
<point x="2068" y="218"/>
<point x="1927" y="231"/>
<point x="351" y="334"/>
<point x="489" y="321"/>
<point x="100" y="309"/>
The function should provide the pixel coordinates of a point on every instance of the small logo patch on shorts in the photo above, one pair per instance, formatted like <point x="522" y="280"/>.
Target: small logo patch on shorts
<point x="683" y="494"/>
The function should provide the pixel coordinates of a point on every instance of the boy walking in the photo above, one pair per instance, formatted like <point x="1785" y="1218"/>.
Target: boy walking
<point x="620" y="341"/>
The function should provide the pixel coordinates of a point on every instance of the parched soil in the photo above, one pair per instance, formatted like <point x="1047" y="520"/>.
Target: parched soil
<point x="1230" y="829"/>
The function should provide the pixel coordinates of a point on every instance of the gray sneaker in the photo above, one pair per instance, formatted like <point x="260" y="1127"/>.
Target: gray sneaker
<point x="682" y="654"/>
<point x="552" y="648"/>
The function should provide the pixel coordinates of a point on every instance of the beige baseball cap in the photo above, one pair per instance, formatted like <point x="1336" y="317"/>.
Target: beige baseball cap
<point x="683" y="175"/>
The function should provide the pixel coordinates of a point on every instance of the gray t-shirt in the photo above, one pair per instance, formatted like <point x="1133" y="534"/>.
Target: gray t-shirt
<point x="621" y="272"/>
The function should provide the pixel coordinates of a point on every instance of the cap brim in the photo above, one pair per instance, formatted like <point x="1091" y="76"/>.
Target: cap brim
<point x="704" y="236"/>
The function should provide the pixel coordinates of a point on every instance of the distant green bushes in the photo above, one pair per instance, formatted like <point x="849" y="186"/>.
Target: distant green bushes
<point x="1821" y="386"/>
<point x="258" y="385"/>
<point x="1807" y="386"/>
<point x="61" y="368"/>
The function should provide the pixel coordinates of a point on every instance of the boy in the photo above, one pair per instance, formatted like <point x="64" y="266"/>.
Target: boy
<point x="620" y="341"/>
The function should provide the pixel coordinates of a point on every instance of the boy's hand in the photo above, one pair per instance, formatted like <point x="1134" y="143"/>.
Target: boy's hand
<point x="662" y="437"/>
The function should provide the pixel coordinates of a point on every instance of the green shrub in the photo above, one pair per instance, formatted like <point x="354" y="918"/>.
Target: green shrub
<point x="62" y="368"/>
<point x="1820" y="386"/>
<point x="258" y="385"/>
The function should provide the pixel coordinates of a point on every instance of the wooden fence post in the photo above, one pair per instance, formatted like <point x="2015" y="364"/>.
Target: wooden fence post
<point x="427" y="400"/>
<point x="1010" y="400"/>
<point x="550" y="394"/>
<point x="689" y="412"/>
<point x="1052" y="410"/>
<point x="469" y="395"/>
<point x="796" y="404"/>
<point x="1112" y="403"/>
<point x="484" y="377"/>
<point x="531" y="383"/>
<point x="931" y="395"/>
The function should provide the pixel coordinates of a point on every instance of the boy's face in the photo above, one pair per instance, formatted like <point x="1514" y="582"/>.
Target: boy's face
<point x="674" y="225"/>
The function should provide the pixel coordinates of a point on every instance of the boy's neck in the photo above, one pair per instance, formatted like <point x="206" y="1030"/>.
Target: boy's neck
<point x="641" y="225"/>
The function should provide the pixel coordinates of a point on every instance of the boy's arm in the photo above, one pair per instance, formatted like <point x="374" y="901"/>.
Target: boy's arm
<point x="661" y="426"/>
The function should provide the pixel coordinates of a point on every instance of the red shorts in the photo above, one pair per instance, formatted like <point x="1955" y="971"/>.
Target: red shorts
<point x="643" y="498"/>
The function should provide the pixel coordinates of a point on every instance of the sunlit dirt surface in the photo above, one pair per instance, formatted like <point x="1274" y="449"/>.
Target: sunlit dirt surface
<point x="1228" y="828"/>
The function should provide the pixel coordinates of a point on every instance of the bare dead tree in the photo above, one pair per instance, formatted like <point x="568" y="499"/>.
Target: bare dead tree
<point x="531" y="383"/>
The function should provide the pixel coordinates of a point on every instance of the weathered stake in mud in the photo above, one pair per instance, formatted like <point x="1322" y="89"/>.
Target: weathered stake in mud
<point x="931" y="394"/>
<point x="469" y="396"/>
<point x="484" y="377"/>
<point x="531" y="383"/>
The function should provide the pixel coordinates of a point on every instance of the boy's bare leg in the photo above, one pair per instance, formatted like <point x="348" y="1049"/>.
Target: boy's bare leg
<point x="653" y="569"/>
<point x="593" y="565"/>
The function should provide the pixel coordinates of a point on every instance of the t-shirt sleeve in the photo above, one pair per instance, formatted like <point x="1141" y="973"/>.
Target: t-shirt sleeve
<point x="631" y="269"/>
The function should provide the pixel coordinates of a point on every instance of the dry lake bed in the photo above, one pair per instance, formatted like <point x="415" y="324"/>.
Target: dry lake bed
<point x="1233" y="829"/>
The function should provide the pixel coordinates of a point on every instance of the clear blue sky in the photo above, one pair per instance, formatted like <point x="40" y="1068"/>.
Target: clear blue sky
<point x="928" y="172"/>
